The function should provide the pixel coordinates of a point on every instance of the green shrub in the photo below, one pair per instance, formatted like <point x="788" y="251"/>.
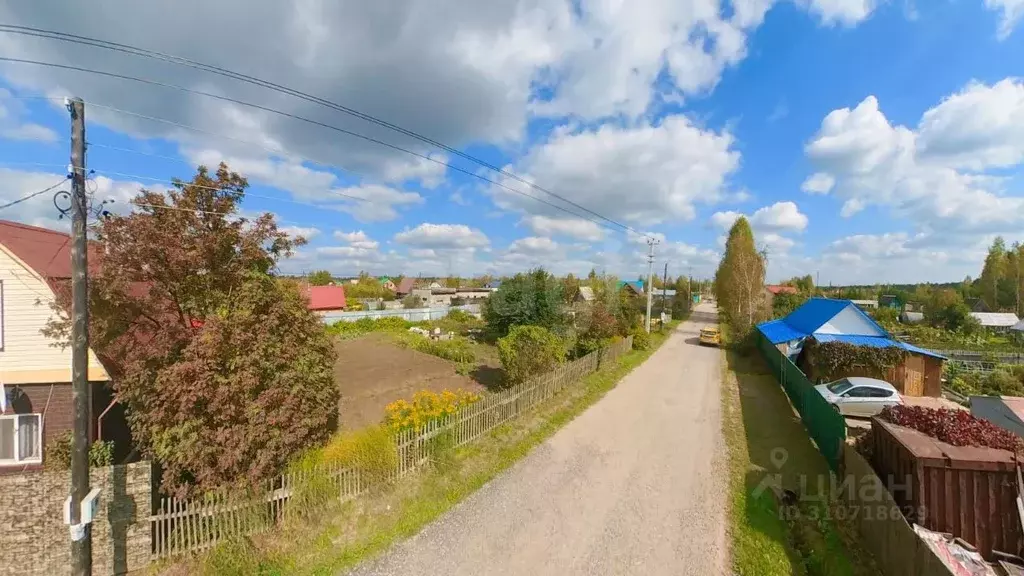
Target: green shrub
<point x="58" y="452"/>
<point x="529" y="351"/>
<point x="457" y="349"/>
<point x="460" y="316"/>
<point x="364" y="326"/>
<point x="641" y="339"/>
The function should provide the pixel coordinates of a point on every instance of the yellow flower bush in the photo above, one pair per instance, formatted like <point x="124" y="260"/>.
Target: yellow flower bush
<point x="426" y="407"/>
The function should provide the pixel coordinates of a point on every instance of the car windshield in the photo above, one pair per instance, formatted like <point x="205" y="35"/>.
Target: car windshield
<point x="839" y="386"/>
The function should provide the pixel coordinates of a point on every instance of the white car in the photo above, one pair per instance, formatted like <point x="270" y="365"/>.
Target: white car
<point x="859" y="396"/>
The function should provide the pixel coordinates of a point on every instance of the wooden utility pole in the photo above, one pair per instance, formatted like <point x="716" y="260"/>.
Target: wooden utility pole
<point x="81" y="537"/>
<point x="650" y="287"/>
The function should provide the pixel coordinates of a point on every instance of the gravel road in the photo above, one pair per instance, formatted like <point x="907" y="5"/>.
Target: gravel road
<point x="634" y="485"/>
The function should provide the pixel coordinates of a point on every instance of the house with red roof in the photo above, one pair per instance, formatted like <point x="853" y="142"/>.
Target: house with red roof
<point x="35" y="375"/>
<point x="324" y="299"/>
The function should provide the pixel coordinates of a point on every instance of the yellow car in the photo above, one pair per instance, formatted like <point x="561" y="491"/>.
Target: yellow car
<point x="711" y="335"/>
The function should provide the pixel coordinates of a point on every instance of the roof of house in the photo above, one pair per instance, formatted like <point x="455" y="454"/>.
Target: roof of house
<point x="977" y="305"/>
<point x="47" y="252"/>
<point x="1007" y="412"/>
<point x="326" y="297"/>
<point x="383" y="279"/>
<point x="865" y="302"/>
<point x="587" y="293"/>
<point x="816" y="312"/>
<point x="636" y="285"/>
<point x="996" y="319"/>
<point x="781" y="289"/>
<point x="886" y="299"/>
<point x="1018" y="326"/>
<point x="875" y="342"/>
<point x="406" y="285"/>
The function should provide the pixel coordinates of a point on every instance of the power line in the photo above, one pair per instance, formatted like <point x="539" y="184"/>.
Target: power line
<point x="142" y="52"/>
<point x="316" y="123"/>
<point x="33" y="195"/>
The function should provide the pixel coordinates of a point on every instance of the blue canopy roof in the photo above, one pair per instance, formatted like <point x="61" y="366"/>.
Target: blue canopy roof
<point x="777" y="331"/>
<point x="875" y="342"/>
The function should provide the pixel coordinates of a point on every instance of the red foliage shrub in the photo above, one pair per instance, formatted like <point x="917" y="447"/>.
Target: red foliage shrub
<point x="956" y="427"/>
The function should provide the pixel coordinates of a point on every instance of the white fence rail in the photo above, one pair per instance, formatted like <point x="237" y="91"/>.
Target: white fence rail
<point x="181" y="527"/>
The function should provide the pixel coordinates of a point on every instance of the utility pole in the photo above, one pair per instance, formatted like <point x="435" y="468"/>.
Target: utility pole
<point x="81" y="537"/>
<point x="664" y="290"/>
<point x="650" y="274"/>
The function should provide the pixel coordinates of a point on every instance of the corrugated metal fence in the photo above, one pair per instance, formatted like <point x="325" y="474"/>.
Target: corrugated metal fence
<point x="181" y="527"/>
<point x="824" y="424"/>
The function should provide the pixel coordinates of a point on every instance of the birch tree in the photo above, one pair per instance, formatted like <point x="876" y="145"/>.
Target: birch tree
<point x="739" y="280"/>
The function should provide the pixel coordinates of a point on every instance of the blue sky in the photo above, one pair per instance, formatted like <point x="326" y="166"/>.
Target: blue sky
<point x="867" y="140"/>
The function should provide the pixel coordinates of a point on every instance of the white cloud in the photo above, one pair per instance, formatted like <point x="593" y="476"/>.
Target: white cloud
<point x="644" y="173"/>
<point x="534" y="246"/>
<point x="573" y="227"/>
<point x="843" y="12"/>
<point x="818" y="183"/>
<point x="977" y="128"/>
<point x="307" y="232"/>
<point x="368" y="203"/>
<point x="356" y="239"/>
<point x="924" y="175"/>
<point x="781" y="216"/>
<point x="443" y="236"/>
<point x="29" y="132"/>
<point x="1012" y="12"/>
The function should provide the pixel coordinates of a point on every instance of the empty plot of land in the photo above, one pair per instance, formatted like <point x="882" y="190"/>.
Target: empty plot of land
<point x="372" y="372"/>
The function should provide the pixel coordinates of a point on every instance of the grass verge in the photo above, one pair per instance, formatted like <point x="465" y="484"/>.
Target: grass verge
<point x="348" y="534"/>
<point x="767" y="441"/>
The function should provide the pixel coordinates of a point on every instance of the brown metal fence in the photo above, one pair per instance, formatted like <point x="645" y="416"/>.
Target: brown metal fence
<point x="966" y="491"/>
<point x="897" y="549"/>
<point x="181" y="526"/>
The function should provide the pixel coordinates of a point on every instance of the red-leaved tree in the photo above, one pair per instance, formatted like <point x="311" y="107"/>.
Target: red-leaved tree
<point x="225" y="372"/>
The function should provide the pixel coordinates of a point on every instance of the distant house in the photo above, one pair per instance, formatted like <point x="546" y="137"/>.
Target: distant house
<point x="585" y="294"/>
<point x="866" y="304"/>
<point x="977" y="305"/>
<point x="405" y="287"/>
<point x="827" y="320"/>
<point x="35" y="375"/>
<point x="777" y="289"/>
<point x="666" y="293"/>
<point x="996" y="321"/>
<point x="386" y="283"/>
<point x="635" y="287"/>
<point x="912" y="317"/>
<point x="1007" y="412"/>
<point x="324" y="299"/>
<point x="888" y="301"/>
<point x="435" y="284"/>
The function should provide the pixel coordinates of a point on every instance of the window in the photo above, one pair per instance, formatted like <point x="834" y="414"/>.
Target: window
<point x="881" y="393"/>
<point x="839" y="386"/>
<point x="860" y="392"/>
<point x="21" y="439"/>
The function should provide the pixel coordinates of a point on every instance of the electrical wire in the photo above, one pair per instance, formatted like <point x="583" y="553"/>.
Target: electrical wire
<point x="321" y="124"/>
<point x="152" y="54"/>
<point x="32" y="195"/>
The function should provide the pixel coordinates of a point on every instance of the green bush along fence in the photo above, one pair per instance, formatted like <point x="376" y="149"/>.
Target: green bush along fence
<point x="824" y="424"/>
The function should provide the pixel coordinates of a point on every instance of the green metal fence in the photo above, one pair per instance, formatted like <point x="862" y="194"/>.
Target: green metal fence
<point x="824" y="424"/>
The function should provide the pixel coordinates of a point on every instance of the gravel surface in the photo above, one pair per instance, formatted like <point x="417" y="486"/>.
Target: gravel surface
<point x="634" y="485"/>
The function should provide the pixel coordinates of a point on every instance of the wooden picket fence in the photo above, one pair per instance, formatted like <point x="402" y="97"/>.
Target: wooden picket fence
<point x="189" y="526"/>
